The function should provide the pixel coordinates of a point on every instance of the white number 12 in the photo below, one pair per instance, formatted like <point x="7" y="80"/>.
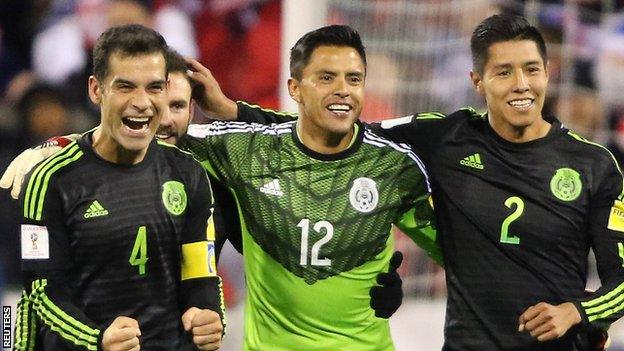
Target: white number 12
<point x="304" y="224"/>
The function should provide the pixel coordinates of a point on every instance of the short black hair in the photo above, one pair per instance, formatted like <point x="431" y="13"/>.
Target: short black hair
<point x="498" y="28"/>
<point x="176" y="62"/>
<point x="334" y="35"/>
<point x="129" y="40"/>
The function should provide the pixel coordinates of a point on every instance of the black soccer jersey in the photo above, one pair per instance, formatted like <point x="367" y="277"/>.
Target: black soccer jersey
<point x="516" y="222"/>
<point x="103" y="240"/>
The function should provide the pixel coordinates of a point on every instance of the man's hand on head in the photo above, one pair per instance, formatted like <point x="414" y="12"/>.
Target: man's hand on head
<point x="207" y="93"/>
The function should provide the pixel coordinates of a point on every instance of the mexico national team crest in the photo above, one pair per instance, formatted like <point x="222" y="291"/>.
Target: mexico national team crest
<point x="174" y="197"/>
<point x="363" y="195"/>
<point x="566" y="184"/>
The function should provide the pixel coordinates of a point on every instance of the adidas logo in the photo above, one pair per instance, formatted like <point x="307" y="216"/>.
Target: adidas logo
<point x="95" y="210"/>
<point x="473" y="161"/>
<point x="272" y="188"/>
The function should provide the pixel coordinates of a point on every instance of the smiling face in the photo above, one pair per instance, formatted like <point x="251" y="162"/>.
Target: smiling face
<point x="132" y="98"/>
<point x="513" y="82"/>
<point x="330" y="92"/>
<point x="175" y="120"/>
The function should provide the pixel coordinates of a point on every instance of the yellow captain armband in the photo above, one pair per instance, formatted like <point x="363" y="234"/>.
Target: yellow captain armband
<point x="198" y="260"/>
<point x="616" y="217"/>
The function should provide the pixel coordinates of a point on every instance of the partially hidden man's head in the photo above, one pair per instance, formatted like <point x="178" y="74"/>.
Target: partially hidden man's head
<point x="176" y="118"/>
<point x="510" y="69"/>
<point x="328" y="71"/>
<point x="129" y="83"/>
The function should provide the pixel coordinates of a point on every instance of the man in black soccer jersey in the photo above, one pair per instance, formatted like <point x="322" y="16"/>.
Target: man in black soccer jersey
<point x="516" y="263"/>
<point x="114" y="242"/>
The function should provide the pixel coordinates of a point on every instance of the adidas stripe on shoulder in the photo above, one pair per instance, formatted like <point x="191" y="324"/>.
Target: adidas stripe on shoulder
<point x="34" y="195"/>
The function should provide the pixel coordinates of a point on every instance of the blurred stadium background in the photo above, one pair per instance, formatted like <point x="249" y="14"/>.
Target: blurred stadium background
<point x="419" y="59"/>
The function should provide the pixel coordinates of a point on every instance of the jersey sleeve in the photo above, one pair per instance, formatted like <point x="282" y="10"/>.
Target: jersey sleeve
<point x="210" y="144"/>
<point x="225" y="218"/>
<point x="46" y="261"/>
<point x="200" y="284"/>
<point x="418" y="223"/>
<point x="256" y="114"/>
<point x="606" y="230"/>
<point x="422" y="131"/>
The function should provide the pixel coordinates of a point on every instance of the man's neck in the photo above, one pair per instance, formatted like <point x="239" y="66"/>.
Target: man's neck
<point x="536" y="130"/>
<point x="324" y="142"/>
<point x="108" y="149"/>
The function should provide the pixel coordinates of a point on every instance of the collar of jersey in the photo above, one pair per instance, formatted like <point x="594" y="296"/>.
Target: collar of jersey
<point x="355" y="144"/>
<point x="86" y="143"/>
<point x="556" y="130"/>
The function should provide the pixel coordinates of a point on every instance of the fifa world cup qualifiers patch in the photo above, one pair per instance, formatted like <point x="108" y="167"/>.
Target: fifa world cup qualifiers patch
<point x="566" y="184"/>
<point x="174" y="197"/>
<point x="35" y="242"/>
<point x="616" y="217"/>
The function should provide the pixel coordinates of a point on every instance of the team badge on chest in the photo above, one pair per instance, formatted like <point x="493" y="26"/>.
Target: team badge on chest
<point x="174" y="197"/>
<point x="566" y="184"/>
<point x="363" y="195"/>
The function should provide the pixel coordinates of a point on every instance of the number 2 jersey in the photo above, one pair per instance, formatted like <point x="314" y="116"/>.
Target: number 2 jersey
<point x="103" y="240"/>
<point x="515" y="222"/>
<point x="315" y="229"/>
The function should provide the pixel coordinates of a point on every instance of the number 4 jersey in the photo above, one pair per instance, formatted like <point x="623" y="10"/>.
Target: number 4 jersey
<point x="315" y="229"/>
<point x="103" y="240"/>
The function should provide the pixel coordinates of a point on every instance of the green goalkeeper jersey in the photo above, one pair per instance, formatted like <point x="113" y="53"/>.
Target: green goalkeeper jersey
<point x="316" y="229"/>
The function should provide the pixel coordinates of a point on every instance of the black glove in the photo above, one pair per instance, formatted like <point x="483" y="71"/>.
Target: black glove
<point x="387" y="298"/>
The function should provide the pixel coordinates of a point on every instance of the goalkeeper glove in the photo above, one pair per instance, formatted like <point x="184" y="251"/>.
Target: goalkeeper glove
<point x="387" y="297"/>
<point x="24" y="162"/>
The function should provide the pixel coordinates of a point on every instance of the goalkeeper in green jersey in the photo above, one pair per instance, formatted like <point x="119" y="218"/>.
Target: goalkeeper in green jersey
<point x="317" y="198"/>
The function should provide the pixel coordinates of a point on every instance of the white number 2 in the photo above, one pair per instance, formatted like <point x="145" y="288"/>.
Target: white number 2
<point x="304" y="224"/>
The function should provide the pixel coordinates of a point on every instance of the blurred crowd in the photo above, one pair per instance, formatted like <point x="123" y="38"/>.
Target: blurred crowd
<point x="418" y="58"/>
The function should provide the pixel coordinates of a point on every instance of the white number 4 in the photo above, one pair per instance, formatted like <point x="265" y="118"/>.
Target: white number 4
<point x="304" y="224"/>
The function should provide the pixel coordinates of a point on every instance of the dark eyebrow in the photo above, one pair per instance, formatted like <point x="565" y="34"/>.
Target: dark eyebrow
<point x="502" y="65"/>
<point x="355" y="73"/>
<point x="531" y="63"/>
<point x="159" y="82"/>
<point x="123" y="81"/>
<point x="326" y="72"/>
<point x="178" y="101"/>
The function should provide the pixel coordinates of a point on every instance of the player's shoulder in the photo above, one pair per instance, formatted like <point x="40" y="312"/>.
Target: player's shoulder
<point x="60" y="164"/>
<point x="379" y="141"/>
<point x="584" y="148"/>
<point x="176" y="157"/>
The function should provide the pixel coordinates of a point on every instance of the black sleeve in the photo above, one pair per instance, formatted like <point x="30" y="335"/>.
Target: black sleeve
<point x="422" y="131"/>
<point x="200" y="285"/>
<point x="256" y="114"/>
<point x="46" y="261"/>
<point x="226" y="218"/>
<point x="606" y="231"/>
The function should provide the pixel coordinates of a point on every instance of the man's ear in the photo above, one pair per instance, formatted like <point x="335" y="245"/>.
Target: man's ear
<point x="477" y="82"/>
<point x="95" y="90"/>
<point x="293" y="89"/>
<point x="191" y="110"/>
